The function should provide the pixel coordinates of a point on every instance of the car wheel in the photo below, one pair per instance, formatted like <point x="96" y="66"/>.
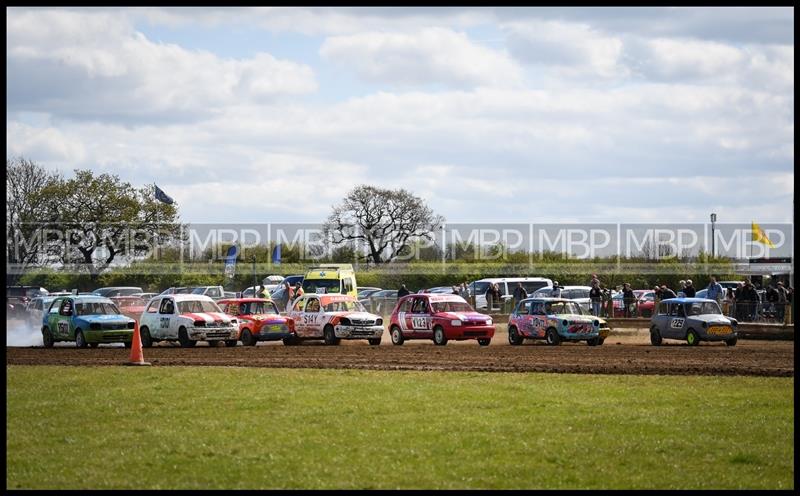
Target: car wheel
<point x="552" y="338"/>
<point x="484" y="341"/>
<point x="731" y="342"/>
<point x="230" y="343"/>
<point x="655" y="336"/>
<point x="330" y="335"/>
<point x="94" y="345"/>
<point x="183" y="339"/>
<point x="128" y="344"/>
<point x="374" y="341"/>
<point x="592" y="341"/>
<point x="692" y="338"/>
<point x="514" y="338"/>
<point x="600" y="341"/>
<point x="144" y="334"/>
<point x="247" y="338"/>
<point x="47" y="338"/>
<point x="80" y="340"/>
<point x="397" y="336"/>
<point x="438" y="336"/>
<point x="292" y="341"/>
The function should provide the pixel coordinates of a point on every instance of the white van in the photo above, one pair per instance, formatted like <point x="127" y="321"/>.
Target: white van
<point x="579" y="294"/>
<point x="506" y="285"/>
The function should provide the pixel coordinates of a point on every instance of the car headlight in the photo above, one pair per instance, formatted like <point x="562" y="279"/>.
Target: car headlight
<point x="566" y="323"/>
<point x="95" y="326"/>
<point x="344" y="321"/>
<point x="596" y="323"/>
<point x="489" y="322"/>
<point x="233" y="322"/>
<point x="379" y="322"/>
<point x="199" y="323"/>
<point x="455" y="323"/>
<point x="703" y="325"/>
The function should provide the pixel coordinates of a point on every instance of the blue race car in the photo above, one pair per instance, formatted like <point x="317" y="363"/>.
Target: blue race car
<point x="693" y="320"/>
<point x="87" y="320"/>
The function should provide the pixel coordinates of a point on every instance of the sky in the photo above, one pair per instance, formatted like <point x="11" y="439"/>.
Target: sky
<point x="515" y="114"/>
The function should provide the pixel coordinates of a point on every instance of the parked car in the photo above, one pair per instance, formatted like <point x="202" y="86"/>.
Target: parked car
<point x="439" y="317"/>
<point x="145" y="296"/>
<point x="176" y="290"/>
<point x="292" y="280"/>
<point x="131" y="306"/>
<point x="693" y="320"/>
<point x="213" y="292"/>
<point x="117" y="291"/>
<point x="187" y="319"/>
<point x="365" y="292"/>
<point x="36" y="308"/>
<point x="555" y="320"/>
<point x="333" y="317"/>
<point x="381" y="302"/>
<point x="86" y="320"/>
<point x="578" y="294"/>
<point x="259" y="320"/>
<point x="506" y="285"/>
<point x="17" y="298"/>
<point x="645" y="300"/>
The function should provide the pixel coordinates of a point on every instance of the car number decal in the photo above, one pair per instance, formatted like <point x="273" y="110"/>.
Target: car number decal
<point x="309" y="319"/>
<point x="676" y="323"/>
<point x="164" y="322"/>
<point x="63" y="327"/>
<point x="420" y="323"/>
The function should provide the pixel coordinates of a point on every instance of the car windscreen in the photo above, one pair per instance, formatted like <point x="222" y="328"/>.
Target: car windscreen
<point x="565" y="307"/>
<point x="345" y="306"/>
<point x="257" y="307"/>
<point x="366" y="292"/>
<point x="481" y="287"/>
<point x="702" y="308"/>
<point x="532" y="286"/>
<point x="197" y="306"/>
<point x="197" y="291"/>
<point x="321" y="286"/>
<point x="451" y="306"/>
<point x="96" y="308"/>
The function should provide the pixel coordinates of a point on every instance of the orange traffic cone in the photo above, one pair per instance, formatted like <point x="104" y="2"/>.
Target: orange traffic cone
<point x="137" y="357"/>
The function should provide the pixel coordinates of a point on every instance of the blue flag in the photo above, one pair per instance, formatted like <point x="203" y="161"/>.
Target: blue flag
<point x="276" y="254"/>
<point x="163" y="197"/>
<point x="230" y="261"/>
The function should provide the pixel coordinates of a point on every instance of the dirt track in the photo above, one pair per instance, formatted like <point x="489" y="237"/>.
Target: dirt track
<point x="621" y="354"/>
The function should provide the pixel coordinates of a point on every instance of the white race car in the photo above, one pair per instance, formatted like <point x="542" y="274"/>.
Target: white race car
<point x="334" y="317"/>
<point x="186" y="318"/>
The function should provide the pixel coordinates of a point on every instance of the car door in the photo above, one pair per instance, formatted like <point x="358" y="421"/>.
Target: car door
<point x="52" y="316"/>
<point x="296" y="313"/>
<point x="149" y="317"/>
<point x="63" y="319"/>
<point x="165" y="328"/>
<point x="676" y="326"/>
<point x="312" y="319"/>
<point x="538" y="319"/>
<point x="420" y="321"/>
<point x="524" y="318"/>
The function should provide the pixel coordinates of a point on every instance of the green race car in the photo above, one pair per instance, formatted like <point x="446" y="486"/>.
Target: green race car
<point x="87" y="320"/>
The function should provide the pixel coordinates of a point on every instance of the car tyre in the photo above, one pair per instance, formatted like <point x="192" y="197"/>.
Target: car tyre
<point x="655" y="336"/>
<point x="80" y="339"/>
<point x="330" y="336"/>
<point x="128" y="344"/>
<point x="292" y="341"/>
<point x="514" y="338"/>
<point x="183" y="339"/>
<point x="47" y="338"/>
<point x="397" y="336"/>
<point x="484" y="341"/>
<point x="374" y="341"/>
<point x="692" y="338"/>
<point x="439" y="338"/>
<point x="144" y="334"/>
<point x="731" y="342"/>
<point x="231" y="343"/>
<point x="593" y="341"/>
<point x="551" y="337"/>
<point x="247" y="338"/>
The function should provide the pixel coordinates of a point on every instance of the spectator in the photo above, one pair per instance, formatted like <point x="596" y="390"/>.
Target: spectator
<point x="594" y="280"/>
<point x="596" y="297"/>
<point x="780" y="309"/>
<point x="656" y="297"/>
<point x="456" y="290"/>
<point x="729" y="304"/>
<point x="689" y="290"/>
<point x="403" y="291"/>
<point x="715" y="290"/>
<point x="628" y="300"/>
<point x="556" y="293"/>
<point x="463" y="291"/>
<point x="749" y="300"/>
<point x="520" y="294"/>
<point x="607" y="309"/>
<point x="283" y="301"/>
<point x="298" y="292"/>
<point x="739" y="302"/>
<point x="681" y="285"/>
<point x="667" y="293"/>
<point x="262" y="292"/>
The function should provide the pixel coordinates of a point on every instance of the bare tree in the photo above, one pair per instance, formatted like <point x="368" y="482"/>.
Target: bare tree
<point x="386" y="221"/>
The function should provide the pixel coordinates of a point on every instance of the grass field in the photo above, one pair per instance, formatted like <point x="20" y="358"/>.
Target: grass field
<point x="220" y="427"/>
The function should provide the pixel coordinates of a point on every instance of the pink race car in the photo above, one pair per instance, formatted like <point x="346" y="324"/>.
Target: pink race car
<point x="440" y="317"/>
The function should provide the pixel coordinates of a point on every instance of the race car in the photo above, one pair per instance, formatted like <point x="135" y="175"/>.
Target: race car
<point x="186" y="318"/>
<point x="130" y="306"/>
<point x="333" y="317"/>
<point x="440" y="317"/>
<point x="554" y="320"/>
<point x="692" y="319"/>
<point x="87" y="320"/>
<point x="259" y="320"/>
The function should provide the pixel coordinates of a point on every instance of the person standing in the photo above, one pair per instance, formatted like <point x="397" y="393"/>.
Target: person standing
<point x="689" y="290"/>
<point x="714" y="290"/>
<point x="596" y="297"/>
<point x="556" y="293"/>
<point x="262" y="292"/>
<point x="403" y="291"/>
<point x="283" y="301"/>
<point x="519" y="294"/>
<point x="628" y="300"/>
<point x="667" y="293"/>
<point x="780" y="309"/>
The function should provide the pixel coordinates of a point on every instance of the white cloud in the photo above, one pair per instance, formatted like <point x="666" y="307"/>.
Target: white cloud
<point x="430" y="56"/>
<point x="111" y="69"/>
